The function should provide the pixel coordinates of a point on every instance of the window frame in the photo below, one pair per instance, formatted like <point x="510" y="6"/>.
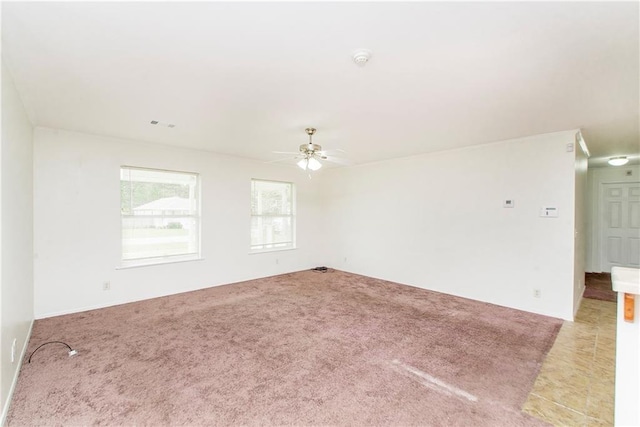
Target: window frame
<point x="196" y="217"/>
<point x="292" y="245"/>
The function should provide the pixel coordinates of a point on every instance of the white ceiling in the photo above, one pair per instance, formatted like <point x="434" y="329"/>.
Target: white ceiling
<point x="246" y="78"/>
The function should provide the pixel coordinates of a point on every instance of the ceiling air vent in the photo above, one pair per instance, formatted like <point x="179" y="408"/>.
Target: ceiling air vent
<point x="168" y="125"/>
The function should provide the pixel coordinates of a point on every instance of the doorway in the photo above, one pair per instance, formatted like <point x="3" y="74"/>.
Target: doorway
<point x="620" y="225"/>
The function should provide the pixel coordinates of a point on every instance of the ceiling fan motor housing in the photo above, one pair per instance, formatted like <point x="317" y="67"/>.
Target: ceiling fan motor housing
<point x="310" y="148"/>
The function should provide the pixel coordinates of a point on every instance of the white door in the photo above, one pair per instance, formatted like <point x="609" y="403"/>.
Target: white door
<point x="620" y="225"/>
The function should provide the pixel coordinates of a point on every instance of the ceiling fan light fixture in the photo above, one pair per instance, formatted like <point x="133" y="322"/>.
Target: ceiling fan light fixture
<point x="303" y="164"/>
<point x="314" y="164"/>
<point x="618" y="161"/>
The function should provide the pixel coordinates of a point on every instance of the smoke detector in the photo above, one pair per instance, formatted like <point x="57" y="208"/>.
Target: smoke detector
<point x="361" y="57"/>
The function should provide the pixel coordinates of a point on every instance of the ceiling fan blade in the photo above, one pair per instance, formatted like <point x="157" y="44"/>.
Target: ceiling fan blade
<point x="283" y="159"/>
<point x="285" y="152"/>
<point x="331" y="151"/>
<point x="337" y="160"/>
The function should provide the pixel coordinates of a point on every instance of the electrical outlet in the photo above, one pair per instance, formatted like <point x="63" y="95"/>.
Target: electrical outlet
<point x="537" y="293"/>
<point x="277" y="261"/>
<point x="106" y="286"/>
<point x="13" y="350"/>
<point x="345" y="259"/>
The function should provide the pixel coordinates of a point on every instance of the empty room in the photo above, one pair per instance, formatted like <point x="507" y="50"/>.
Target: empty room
<point x="320" y="213"/>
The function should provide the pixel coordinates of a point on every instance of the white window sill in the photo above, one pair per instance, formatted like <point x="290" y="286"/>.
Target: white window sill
<point x="262" y="251"/>
<point x="137" y="264"/>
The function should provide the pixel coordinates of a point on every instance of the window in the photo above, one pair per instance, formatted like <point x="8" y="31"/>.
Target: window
<point x="160" y="216"/>
<point x="272" y="215"/>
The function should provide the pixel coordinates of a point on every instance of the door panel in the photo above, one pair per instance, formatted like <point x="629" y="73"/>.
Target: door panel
<point x="615" y="215"/>
<point x="634" y="214"/>
<point x="614" y="250"/>
<point x="634" y="252"/>
<point x="614" y="192"/>
<point x="620" y="225"/>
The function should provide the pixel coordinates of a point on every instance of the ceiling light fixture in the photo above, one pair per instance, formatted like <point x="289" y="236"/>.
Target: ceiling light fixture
<point x="310" y="151"/>
<point x="314" y="164"/>
<point x="309" y="163"/>
<point x="618" y="161"/>
<point x="311" y="156"/>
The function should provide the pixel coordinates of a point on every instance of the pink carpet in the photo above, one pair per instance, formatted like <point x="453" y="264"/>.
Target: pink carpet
<point x="598" y="286"/>
<point x="305" y="348"/>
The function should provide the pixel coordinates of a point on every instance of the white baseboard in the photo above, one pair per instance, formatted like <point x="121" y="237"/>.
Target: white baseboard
<point x="78" y="310"/>
<point x="7" y="402"/>
<point x="576" y="304"/>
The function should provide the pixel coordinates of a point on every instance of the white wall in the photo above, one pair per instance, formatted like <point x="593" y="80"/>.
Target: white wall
<point x="16" y="241"/>
<point x="437" y="221"/>
<point x="434" y="221"/>
<point x="627" y="383"/>
<point x="595" y="178"/>
<point x="580" y="220"/>
<point x="77" y="222"/>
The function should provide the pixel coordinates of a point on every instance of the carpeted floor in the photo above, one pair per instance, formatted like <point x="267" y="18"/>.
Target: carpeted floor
<point x="598" y="286"/>
<point x="305" y="348"/>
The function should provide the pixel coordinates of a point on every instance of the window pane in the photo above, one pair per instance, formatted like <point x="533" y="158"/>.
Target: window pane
<point x="271" y="198"/>
<point x="271" y="231"/>
<point x="148" y="193"/>
<point x="158" y="237"/>
<point x="272" y="215"/>
<point x="160" y="215"/>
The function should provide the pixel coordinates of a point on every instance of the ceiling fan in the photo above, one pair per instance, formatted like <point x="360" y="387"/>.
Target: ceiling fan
<point x="311" y="155"/>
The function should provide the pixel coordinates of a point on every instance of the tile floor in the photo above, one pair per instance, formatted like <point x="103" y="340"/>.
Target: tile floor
<point x="575" y="386"/>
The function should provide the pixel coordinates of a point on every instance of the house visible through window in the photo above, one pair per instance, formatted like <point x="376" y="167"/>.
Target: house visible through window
<point x="272" y="215"/>
<point x="160" y="216"/>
